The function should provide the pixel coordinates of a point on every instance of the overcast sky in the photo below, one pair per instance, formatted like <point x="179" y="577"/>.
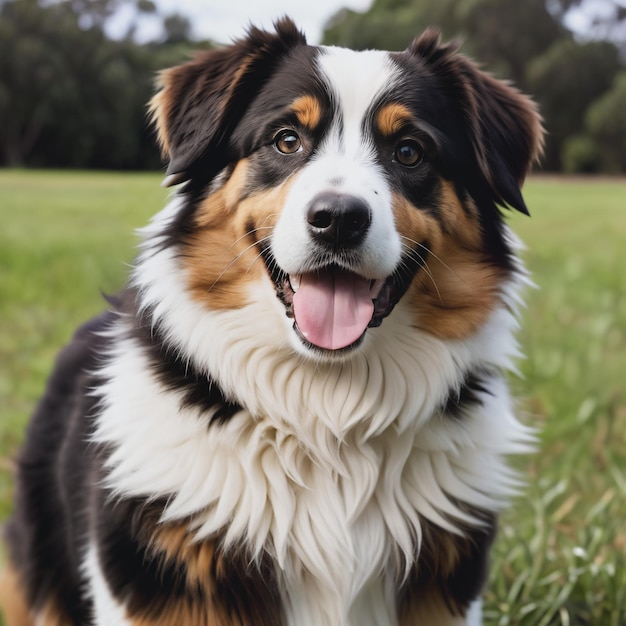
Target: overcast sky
<point x="222" y="20"/>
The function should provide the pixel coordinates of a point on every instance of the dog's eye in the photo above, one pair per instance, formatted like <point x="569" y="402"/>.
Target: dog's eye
<point x="287" y="142"/>
<point x="409" y="153"/>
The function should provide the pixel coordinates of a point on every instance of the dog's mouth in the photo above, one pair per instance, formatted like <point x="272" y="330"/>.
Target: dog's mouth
<point x="333" y="307"/>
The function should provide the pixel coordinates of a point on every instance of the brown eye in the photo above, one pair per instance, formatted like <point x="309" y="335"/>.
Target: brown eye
<point x="409" y="153"/>
<point x="287" y="142"/>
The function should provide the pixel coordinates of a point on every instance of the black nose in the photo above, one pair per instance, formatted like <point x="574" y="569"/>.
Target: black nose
<point x="338" y="219"/>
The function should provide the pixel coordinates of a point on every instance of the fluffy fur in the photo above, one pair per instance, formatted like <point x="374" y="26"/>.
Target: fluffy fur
<point x="208" y="452"/>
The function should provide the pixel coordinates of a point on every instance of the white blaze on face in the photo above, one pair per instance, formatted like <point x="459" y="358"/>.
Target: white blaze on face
<point x="333" y="309"/>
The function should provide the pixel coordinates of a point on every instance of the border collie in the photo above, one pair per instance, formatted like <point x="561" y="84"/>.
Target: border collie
<point x="296" y="411"/>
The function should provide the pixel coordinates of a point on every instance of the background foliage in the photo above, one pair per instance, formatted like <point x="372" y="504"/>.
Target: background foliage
<point x="72" y="96"/>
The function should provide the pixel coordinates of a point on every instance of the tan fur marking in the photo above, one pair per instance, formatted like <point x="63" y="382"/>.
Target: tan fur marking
<point x="458" y="297"/>
<point x="13" y="599"/>
<point x="308" y="110"/>
<point x="458" y="289"/>
<point x="204" y="569"/>
<point x="222" y="257"/>
<point x="184" y="614"/>
<point x="50" y="615"/>
<point x="391" y="118"/>
<point x="461" y="222"/>
<point x="415" y="226"/>
<point x="175" y="544"/>
<point x="159" y="108"/>
<point x="244" y="68"/>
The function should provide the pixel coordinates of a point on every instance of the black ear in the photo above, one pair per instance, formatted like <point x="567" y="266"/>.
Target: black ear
<point x="508" y="137"/>
<point x="200" y="102"/>
<point x="503" y="124"/>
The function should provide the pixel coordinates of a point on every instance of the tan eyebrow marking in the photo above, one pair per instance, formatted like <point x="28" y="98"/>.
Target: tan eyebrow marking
<point x="392" y="117"/>
<point x="308" y="110"/>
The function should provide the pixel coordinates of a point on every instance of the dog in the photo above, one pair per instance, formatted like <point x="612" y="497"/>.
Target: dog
<point x="295" y="413"/>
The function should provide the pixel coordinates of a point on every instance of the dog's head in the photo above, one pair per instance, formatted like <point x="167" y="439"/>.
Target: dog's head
<point x="346" y="182"/>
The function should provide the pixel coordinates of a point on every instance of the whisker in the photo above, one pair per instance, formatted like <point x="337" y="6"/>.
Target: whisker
<point x="234" y="260"/>
<point x="431" y="253"/>
<point x="428" y="271"/>
<point x="250" y="232"/>
<point x="273" y="266"/>
<point x="256" y="258"/>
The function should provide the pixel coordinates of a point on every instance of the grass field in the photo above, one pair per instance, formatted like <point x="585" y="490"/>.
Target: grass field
<point x="560" y="557"/>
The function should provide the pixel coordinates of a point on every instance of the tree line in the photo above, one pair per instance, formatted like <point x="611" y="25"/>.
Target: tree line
<point x="72" y="96"/>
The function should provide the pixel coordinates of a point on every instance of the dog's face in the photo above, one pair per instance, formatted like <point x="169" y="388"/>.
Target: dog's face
<point x="345" y="182"/>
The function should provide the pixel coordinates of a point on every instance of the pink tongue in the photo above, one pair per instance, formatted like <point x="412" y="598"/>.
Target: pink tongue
<point x="333" y="308"/>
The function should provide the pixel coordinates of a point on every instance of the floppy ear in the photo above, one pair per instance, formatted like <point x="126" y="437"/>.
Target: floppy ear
<point x="504" y="125"/>
<point x="200" y="102"/>
<point x="508" y="137"/>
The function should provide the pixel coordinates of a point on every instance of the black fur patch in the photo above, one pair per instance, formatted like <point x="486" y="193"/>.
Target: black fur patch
<point x="178" y="374"/>
<point x="463" y="584"/>
<point x="470" y="576"/>
<point x="129" y="566"/>
<point x="468" y="395"/>
<point x="153" y="584"/>
<point x="48" y="530"/>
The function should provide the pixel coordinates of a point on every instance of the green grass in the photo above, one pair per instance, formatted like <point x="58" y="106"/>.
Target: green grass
<point x="560" y="558"/>
<point x="561" y="553"/>
<point x="64" y="236"/>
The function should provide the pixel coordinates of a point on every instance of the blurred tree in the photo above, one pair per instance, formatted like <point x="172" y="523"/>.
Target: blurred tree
<point x="146" y="6"/>
<point x="504" y="34"/>
<point x="606" y="125"/>
<point x="565" y="81"/>
<point x="389" y="24"/>
<point x="69" y="96"/>
<point x="93" y="13"/>
<point x="141" y="8"/>
<point x="177" y="28"/>
<point x="35" y="83"/>
<point x="580" y="155"/>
